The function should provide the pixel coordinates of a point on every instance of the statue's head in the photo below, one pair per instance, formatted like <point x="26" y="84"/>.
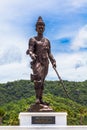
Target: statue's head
<point x="40" y="25"/>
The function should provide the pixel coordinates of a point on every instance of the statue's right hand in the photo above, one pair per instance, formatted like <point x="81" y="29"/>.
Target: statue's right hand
<point x="33" y="56"/>
<point x="27" y="52"/>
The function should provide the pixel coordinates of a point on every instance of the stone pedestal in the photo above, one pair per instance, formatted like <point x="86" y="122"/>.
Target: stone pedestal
<point x="39" y="120"/>
<point x="43" y="119"/>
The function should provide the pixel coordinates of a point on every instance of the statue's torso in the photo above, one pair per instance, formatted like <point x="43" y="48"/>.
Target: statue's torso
<point x="41" y="49"/>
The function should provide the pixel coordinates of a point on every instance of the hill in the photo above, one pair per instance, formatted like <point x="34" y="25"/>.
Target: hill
<point x="13" y="91"/>
<point x="77" y="114"/>
<point x="17" y="96"/>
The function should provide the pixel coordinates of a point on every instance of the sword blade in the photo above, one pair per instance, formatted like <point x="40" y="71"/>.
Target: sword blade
<point x="62" y="83"/>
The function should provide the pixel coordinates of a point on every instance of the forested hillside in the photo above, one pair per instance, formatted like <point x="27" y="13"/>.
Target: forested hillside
<point x="17" y="96"/>
<point x="13" y="91"/>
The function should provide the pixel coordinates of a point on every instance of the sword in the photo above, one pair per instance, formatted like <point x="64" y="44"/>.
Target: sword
<point x="62" y="83"/>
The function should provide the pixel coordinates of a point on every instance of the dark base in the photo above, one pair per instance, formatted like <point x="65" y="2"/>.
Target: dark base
<point x="40" y="108"/>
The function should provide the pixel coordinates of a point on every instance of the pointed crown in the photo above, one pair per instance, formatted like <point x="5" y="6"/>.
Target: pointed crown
<point x="40" y="21"/>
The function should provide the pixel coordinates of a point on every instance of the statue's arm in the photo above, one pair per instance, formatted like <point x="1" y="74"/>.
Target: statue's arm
<point x="31" y="48"/>
<point x="53" y="61"/>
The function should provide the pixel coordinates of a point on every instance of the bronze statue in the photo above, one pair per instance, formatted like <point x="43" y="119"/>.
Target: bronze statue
<point x="40" y="53"/>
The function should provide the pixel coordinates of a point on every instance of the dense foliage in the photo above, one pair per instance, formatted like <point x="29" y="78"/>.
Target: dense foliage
<point x="17" y="96"/>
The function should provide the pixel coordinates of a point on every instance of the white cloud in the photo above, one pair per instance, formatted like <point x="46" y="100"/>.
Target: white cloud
<point x="11" y="54"/>
<point x="79" y="3"/>
<point x="66" y="66"/>
<point x="14" y="71"/>
<point x="80" y="40"/>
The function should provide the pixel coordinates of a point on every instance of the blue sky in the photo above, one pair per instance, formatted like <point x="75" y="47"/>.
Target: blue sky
<point x="66" y="28"/>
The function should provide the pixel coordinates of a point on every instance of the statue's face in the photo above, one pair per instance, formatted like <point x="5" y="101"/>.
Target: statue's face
<point x="40" y="28"/>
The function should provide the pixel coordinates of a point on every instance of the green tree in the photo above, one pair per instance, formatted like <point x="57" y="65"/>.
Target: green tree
<point x="2" y="113"/>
